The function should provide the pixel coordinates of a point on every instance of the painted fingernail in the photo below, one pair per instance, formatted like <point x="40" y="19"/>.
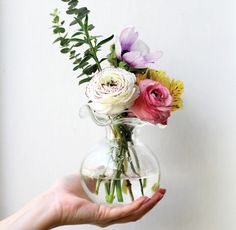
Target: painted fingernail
<point x="162" y="191"/>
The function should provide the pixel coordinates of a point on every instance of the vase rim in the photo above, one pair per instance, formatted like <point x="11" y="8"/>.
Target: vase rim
<point x="133" y="121"/>
<point x="103" y="120"/>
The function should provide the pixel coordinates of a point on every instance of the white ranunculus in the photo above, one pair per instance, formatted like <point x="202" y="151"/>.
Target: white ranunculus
<point x="112" y="90"/>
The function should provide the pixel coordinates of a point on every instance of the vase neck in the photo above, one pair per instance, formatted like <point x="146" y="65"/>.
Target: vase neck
<point x="122" y="132"/>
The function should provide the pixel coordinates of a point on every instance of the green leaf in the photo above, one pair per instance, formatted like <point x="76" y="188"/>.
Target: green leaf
<point x="57" y="40"/>
<point x="105" y="41"/>
<point x="102" y="60"/>
<point x="94" y="37"/>
<point x="76" y="34"/>
<point x="91" y="27"/>
<point x="77" y="40"/>
<point x="78" y="44"/>
<point x="73" y="4"/>
<point x="59" y="30"/>
<point x="112" y="56"/>
<point x="87" y="52"/>
<point x="56" y="31"/>
<point x="54" y="12"/>
<point x="74" y="22"/>
<point x="72" y="52"/>
<point x="122" y="64"/>
<point x="79" y="21"/>
<point x="82" y="74"/>
<point x="64" y="42"/>
<point x="81" y="65"/>
<point x="86" y="23"/>
<point x="72" y="11"/>
<point x="76" y="67"/>
<point x="65" y="0"/>
<point x="82" y="12"/>
<point x="75" y="56"/>
<point x="77" y="61"/>
<point x="85" y="59"/>
<point x="65" y="50"/>
<point x="90" y="69"/>
<point x="85" y="80"/>
<point x="56" y="19"/>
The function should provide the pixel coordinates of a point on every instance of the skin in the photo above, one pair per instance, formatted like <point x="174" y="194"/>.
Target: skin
<point x="65" y="203"/>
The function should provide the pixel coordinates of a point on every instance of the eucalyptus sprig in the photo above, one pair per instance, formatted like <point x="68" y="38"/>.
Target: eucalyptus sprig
<point x="87" y="62"/>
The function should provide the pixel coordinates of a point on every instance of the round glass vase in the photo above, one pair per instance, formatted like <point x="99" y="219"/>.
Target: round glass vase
<point x="120" y="168"/>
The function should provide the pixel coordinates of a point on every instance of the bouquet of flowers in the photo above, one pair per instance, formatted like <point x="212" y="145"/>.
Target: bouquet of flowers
<point x="124" y="86"/>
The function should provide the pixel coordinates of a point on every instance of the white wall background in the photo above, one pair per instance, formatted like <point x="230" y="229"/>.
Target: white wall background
<point x="42" y="137"/>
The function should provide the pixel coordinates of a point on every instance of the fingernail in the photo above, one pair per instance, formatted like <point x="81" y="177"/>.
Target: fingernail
<point x="162" y="191"/>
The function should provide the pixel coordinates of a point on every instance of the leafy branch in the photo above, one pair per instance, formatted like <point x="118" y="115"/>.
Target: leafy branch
<point x="87" y="61"/>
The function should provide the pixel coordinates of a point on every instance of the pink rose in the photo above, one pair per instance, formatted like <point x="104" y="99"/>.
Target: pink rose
<point x="153" y="104"/>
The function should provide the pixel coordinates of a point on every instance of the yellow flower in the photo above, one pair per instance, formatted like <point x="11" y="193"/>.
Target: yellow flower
<point x="140" y="77"/>
<point x="176" y="87"/>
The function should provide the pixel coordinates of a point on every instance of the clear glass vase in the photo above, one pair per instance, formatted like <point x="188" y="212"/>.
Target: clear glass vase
<point x="120" y="168"/>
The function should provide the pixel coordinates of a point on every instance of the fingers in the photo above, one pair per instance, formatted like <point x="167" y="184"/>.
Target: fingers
<point x="146" y="206"/>
<point x="124" y="211"/>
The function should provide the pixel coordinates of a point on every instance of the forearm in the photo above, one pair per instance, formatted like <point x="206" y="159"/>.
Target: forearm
<point x="39" y="214"/>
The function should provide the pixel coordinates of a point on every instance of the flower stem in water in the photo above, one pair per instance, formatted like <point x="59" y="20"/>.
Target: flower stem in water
<point x="119" y="191"/>
<point x="141" y="186"/>
<point x="98" y="182"/>
<point x="129" y="185"/>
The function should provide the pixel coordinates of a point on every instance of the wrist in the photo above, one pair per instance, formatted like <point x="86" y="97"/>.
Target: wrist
<point x="39" y="214"/>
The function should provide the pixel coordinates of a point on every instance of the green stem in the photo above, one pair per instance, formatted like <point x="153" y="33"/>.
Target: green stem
<point x="138" y="166"/>
<point x="94" y="55"/>
<point x="131" y="164"/>
<point x="141" y="186"/>
<point x="144" y="182"/>
<point x="107" y="187"/>
<point x="119" y="191"/>
<point x="98" y="182"/>
<point x="110" y="198"/>
<point x="116" y="184"/>
<point x="135" y="156"/>
<point x="129" y="186"/>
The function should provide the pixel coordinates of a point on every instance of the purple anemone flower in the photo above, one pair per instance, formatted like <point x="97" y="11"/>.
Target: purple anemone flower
<point x="134" y="51"/>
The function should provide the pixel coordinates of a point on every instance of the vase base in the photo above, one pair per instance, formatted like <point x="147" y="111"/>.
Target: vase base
<point x="126" y="190"/>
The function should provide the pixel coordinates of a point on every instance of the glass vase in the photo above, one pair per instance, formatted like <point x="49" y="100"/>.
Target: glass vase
<point x="120" y="168"/>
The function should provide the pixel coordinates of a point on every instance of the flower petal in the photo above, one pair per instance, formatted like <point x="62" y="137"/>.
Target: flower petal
<point x="127" y="38"/>
<point x="118" y="49"/>
<point x="140" y="46"/>
<point x="134" y="59"/>
<point x="152" y="57"/>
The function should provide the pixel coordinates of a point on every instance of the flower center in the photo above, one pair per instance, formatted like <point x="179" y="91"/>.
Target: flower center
<point x="155" y="93"/>
<point x="110" y="83"/>
<point x="124" y="51"/>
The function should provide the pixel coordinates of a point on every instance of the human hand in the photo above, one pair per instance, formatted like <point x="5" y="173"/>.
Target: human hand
<point x="74" y="207"/>
<point x="65" y="203"/>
